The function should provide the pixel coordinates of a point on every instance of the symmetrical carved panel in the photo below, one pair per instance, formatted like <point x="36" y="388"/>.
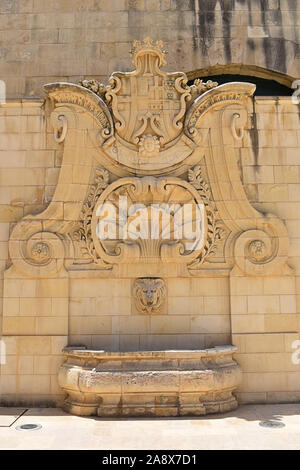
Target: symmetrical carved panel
<point x="149" y="190"/>
<point x="149" y="136"/>
<point x="144" y="236"/>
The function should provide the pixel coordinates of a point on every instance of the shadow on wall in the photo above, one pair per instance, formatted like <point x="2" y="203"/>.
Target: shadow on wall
<point x="268" y="82"/>
<point x="264" y="87"/>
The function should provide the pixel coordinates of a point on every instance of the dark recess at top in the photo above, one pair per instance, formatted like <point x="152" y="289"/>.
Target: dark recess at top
<point x="264" y="87"/>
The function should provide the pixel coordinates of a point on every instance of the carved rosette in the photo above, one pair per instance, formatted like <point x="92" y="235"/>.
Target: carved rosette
<point x="149" y="294"/>
<point x="257" y="251"/>
<point x="261" y="252"/>
<point x="40" y="252"/>
<point x="36" y="252"/>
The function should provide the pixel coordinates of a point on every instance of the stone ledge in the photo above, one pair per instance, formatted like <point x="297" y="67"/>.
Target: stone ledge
<point x="38" y="102"/>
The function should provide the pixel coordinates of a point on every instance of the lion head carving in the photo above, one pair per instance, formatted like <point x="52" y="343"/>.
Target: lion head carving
<point x="149" y="294"/>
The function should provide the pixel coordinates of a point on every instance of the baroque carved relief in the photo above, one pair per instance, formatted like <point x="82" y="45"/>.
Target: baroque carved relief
<point x="162" y="142"/>
<point x="215" y="228"/>
<point x="148" y="108"/>
<point x="148" y="219"/>
<point x="83" y="233"/>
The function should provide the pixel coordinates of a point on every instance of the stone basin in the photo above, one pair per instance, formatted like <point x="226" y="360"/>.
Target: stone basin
<point x="149" y="383"/>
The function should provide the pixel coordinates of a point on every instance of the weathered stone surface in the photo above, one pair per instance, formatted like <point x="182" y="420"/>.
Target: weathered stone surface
<point x="40" y="41"/>
<point x="174" y="390"/>
<point x="205" y="144"/>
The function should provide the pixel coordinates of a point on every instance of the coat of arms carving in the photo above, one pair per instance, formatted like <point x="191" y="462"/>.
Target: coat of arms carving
<point x="148" y="107"/>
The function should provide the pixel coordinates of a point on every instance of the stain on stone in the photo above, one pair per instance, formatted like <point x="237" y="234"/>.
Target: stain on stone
<point x="180" y="23"/>
<point x="179" y="4"/>
<point x="249" y="13"/>
<point x="276" y="107"/>
<point x="205" y="22"/>
<point x="275" y="54"/>
<point x="204" y="27"/>
<point x="254" y="137"/>
<point x="263" y="17"/>
<point x="226" y="23"/>
<point x="275" y="48"/>
<point x="251" y="44"/>
<point x="281" y="56"/>
<point x="293" y="5"/>
<point x="263" y="5"/>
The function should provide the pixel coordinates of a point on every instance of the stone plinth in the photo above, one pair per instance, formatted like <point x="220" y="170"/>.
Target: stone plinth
<point x="150" y="383"/>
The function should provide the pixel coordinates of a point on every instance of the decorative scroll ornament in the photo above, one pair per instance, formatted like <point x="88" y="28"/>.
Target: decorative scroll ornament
<point x="262" y="251"/>
<point x="36" y="252"/>
<point x="84" y="234"/>
<point x="215" y="231"/>
<point x="238" y="134"/>
<point x="149" y="294"/>
<point x="68" y="96"/>
<point x="60" y="133"/>
<point x="148" y="127"/>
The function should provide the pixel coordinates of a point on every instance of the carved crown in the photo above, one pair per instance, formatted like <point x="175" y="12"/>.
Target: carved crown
<point x="148" y="47"/>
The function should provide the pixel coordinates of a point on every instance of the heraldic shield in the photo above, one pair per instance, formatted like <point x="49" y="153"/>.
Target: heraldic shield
<point x="148" y="105"/>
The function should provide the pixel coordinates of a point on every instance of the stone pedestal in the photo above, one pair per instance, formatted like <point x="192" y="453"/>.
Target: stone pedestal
<point x="150" y="383"/>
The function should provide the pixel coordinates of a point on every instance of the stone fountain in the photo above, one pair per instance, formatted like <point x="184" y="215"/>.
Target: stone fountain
<point x="148" y="225"/>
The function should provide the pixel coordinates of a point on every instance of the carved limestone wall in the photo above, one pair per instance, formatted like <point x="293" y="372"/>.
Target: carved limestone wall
<point x="152" y="142"/>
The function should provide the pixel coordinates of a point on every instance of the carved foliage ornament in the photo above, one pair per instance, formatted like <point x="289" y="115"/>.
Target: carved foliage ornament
<point x="135" y="231"/>
<point x="215" y="230"/>
<point x="83" y="234"/>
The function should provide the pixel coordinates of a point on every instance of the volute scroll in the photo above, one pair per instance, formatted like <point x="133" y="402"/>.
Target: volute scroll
<point x="36" y="252"/>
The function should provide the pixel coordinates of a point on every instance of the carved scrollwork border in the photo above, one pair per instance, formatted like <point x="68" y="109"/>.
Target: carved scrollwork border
<point x="83" y="234"/>
<point x="234" y="92"/>
<point x="68" y="93"/>
<point x="215" y="231"/>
